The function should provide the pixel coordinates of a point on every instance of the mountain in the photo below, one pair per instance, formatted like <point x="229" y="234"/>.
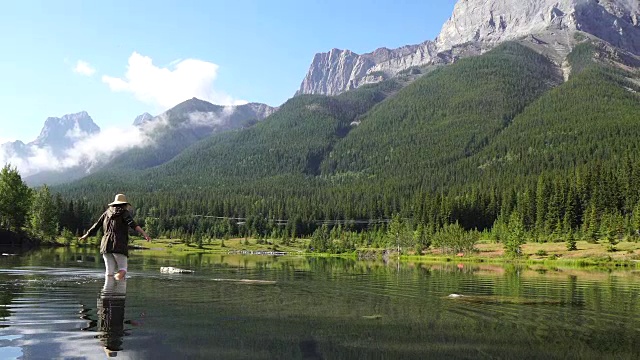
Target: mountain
<point x="59" y="155"/>
<point x="477" y="26"/>
<point x="60" y="134"/>
<point x="292" y="141"/>
<point x="538" y="130"/>
<point x="56" y="140"/>
<point x="341" y="70"/>
<point x="445" y="116"/>
<point x="465" y="142"/>
<point x="14" y="149"/>
<point x="171" y="132"/>
<point x="141" y="119"/>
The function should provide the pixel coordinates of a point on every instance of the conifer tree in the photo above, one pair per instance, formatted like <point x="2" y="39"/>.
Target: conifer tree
<point x="515" y="238"/>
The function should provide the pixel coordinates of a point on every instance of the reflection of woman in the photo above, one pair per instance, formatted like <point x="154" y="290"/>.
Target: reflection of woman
<point x="114" y="246"/>
<point x="111" y="314"/>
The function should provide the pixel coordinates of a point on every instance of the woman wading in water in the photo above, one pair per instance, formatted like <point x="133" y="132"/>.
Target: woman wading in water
<point x="114" y="246"/>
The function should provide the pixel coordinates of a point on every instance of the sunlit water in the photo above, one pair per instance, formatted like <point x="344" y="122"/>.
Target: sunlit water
<point x="56" y="304"/>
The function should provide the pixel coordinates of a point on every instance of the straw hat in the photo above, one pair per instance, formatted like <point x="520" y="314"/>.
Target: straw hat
<point x="120" y="199"/>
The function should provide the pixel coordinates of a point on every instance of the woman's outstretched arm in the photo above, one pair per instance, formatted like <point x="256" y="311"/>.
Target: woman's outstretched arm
<point x="93" y="229"/>
<point x="144" y="234"/>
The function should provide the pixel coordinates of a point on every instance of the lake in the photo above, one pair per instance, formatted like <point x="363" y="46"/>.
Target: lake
<point x="54" y="303"/>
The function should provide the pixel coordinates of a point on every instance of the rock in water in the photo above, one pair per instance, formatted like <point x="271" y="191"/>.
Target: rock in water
<point x="174" y="270"/>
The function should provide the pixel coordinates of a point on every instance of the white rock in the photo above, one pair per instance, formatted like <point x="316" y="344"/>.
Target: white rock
<point x="174" y="270"/>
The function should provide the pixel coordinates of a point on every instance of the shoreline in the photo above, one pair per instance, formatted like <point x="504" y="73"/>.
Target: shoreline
<point x="588" y="255"/>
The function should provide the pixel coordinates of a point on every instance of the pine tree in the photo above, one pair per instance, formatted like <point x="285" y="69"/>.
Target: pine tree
<point x="515" y="238"/>
<point x="571" y="241"/>
<point x="570" y="220"/>
<point x="635" y="221"/>
<point x="591" y="224"/>
<point x="542" y="197"/>
<point x="396" y="231"/>
<point x="421" y="238"/>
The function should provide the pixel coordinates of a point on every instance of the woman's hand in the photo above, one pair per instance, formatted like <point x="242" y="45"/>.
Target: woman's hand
<point x="82" y="238"/>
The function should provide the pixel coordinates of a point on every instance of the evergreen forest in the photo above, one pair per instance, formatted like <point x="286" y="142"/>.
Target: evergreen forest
<point x="497" y="145"/>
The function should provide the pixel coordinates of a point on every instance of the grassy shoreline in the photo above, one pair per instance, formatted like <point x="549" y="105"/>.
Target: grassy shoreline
<point x="627" y="254"/>
<point x="556" y="254"/>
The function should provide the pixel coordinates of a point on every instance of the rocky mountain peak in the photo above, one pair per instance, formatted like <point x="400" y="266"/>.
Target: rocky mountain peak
<point x="260" y="110"/>
<point x="479" y="25"/>
<point x="495" y="21"/>
<point x="60" y="133"/>
<point x="141" y="119"/>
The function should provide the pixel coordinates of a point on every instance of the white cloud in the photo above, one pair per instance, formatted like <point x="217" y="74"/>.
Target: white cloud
<point x="83" y="68"/>
<point x="39" y="159"/>
<point x="76" y="132"/>
<point x="103" y="145"/>
<point x="88" y="151"/>
<point x="210" y="118"/>
<point x="168" y="86"/>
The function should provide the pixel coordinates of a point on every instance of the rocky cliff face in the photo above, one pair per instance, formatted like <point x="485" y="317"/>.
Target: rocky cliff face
<point x="259" y="110"/>
<point x="479" y="25"/>
<point x="141" y="119"/>
<point x="59" y="134"/>
<point x="495" y="21"/>
<point x="340" y="70"/>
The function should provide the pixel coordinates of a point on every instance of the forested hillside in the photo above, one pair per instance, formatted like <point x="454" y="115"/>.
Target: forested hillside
<point x="444" y="117"/>
<point x="492" y="142"/>
<point x="180" y="127"/>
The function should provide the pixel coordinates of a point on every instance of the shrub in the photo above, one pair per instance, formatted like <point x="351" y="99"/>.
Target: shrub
<point x="67" y="235"/>
<point x="454" y="239"/>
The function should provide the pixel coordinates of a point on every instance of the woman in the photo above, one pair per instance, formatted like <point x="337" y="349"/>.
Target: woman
<point x="114" y="246"/>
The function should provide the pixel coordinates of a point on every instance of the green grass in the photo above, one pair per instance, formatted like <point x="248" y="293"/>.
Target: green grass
<point x="216" y="246"/>
<point x="588" y="255"/>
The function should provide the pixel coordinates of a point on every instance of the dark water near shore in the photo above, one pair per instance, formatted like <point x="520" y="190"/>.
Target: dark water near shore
<point x="55" y="304"/>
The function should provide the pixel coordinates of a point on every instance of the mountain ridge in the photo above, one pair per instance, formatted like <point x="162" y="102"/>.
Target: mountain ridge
<point x="475" y="27"/>
<point x="447" y="135"/>
<point x="57" y="155"/>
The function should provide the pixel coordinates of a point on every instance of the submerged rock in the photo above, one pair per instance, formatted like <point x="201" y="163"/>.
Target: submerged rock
<point x="494" y="299"/>
<point x="372" y="317"/>
<point x="248" y="281"/>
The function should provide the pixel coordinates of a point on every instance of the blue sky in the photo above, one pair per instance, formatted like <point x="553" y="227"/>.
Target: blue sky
<point x="61" y="57"/>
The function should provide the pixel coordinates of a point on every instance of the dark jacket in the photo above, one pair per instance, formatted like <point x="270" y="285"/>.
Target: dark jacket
<point x="115" y="223"/>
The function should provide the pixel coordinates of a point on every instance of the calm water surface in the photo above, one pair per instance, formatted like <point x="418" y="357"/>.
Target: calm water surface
<point x="56" y="304"/>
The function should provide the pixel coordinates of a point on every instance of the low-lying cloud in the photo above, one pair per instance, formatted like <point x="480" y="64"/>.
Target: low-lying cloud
<point x="167" y="86"/>
<point x="76" y="133"/>
<point x="87" y="151"/>
<point x="91" y="150"/>
<point x="200" y="118"/>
